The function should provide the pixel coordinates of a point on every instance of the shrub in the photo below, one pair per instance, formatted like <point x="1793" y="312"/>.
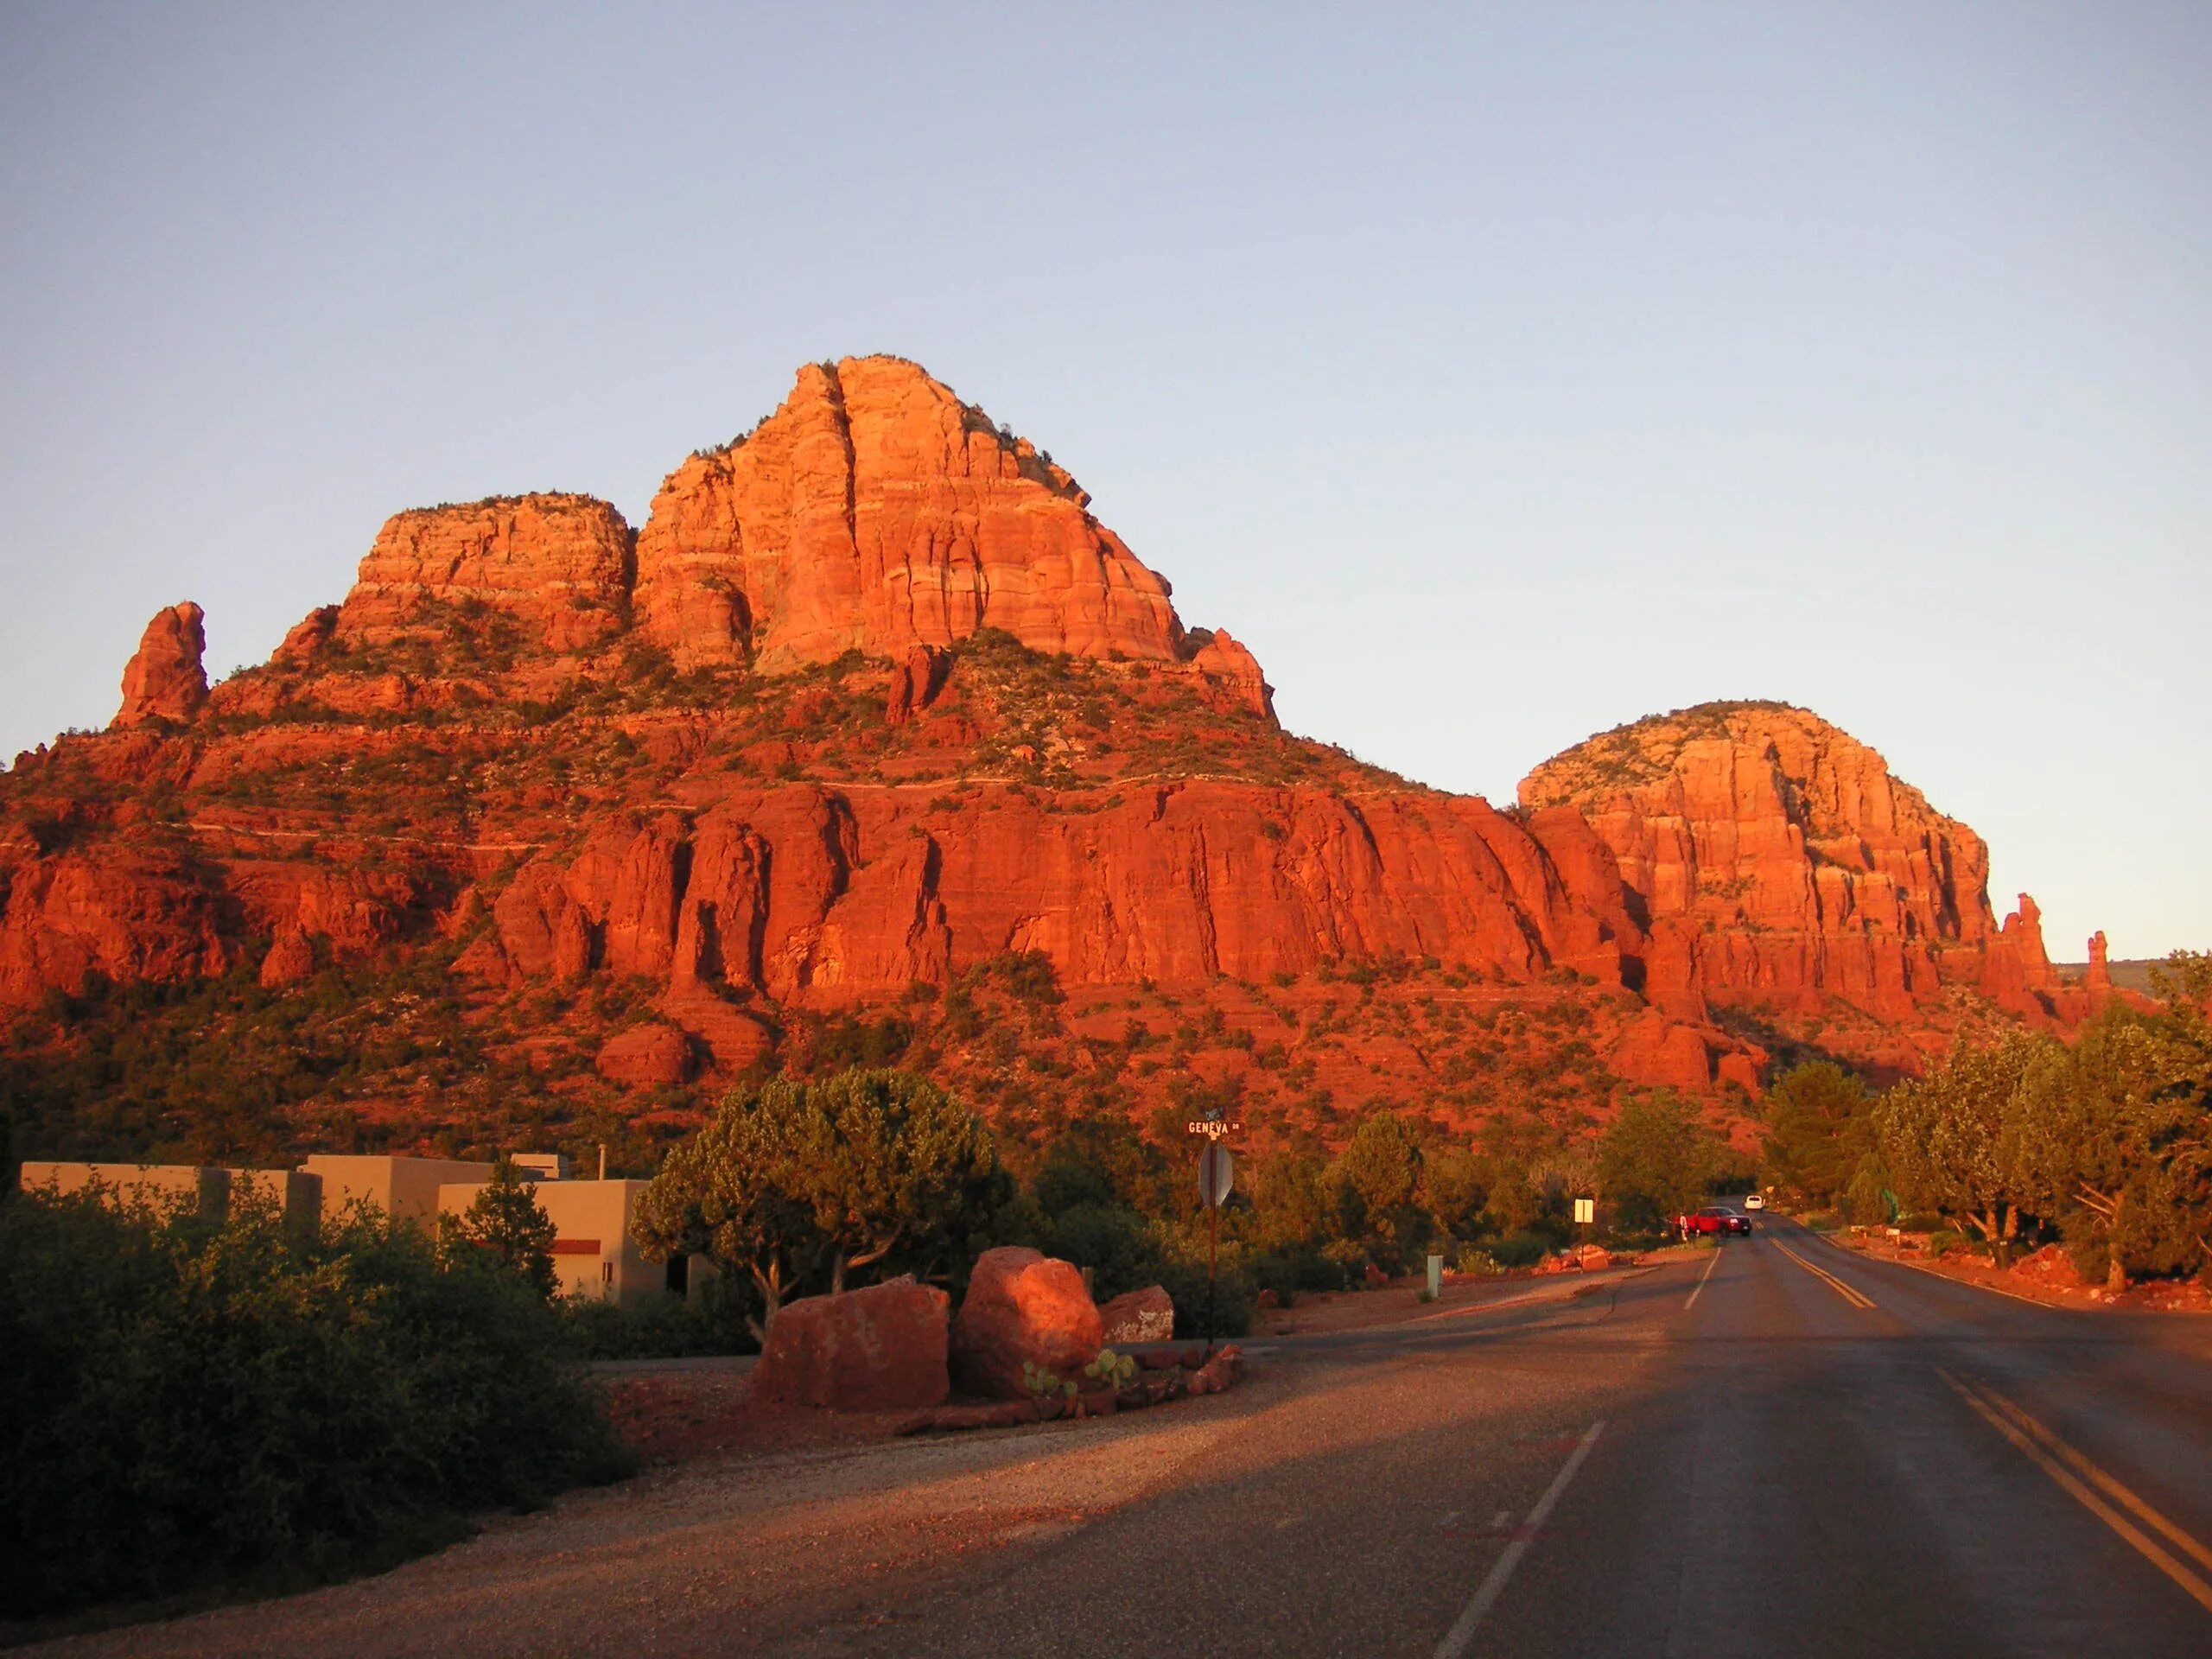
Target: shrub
<point x="188" y="1405"/>
<point x="667" y="1327"/>
<point x="1233" y="1295"/>
<point x="1521" y="1249"/>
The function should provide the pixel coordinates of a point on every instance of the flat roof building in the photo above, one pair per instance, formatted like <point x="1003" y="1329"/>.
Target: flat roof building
<point x="593" y="1254"/>
<point x="406" y="1189"/>
<point x="200" y="1187"/>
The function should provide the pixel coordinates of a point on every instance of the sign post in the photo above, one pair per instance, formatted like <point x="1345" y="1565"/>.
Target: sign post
<point x="1585" y="1215"/>
<point x="1217" y="1173"/>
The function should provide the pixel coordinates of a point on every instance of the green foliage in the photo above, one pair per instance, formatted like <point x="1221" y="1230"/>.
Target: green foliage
<point x="1379" y="1183"/>
<point x="663" y="1327"/>
<point x="505" y="1228"/>
<point x="1183" y="1276"/>
<point x="186" y="1405"/>
<point x="794" y="1178"/>
<point x="2108" y="1140"/>
<point x="1111" y="1369"/>
<point x="1819" y="1128"/>
<point x="1655" y="1161"/>
<point x="1045" y="1385"/>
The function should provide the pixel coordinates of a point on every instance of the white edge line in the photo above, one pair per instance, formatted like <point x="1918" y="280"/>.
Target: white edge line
<point x="1707" y="1273"/>
<point x="1971" y="1284"/>
<point x="1463" y="1629"/>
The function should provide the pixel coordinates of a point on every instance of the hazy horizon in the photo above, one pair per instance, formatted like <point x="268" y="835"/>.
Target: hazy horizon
<point x="1497" y="379"/>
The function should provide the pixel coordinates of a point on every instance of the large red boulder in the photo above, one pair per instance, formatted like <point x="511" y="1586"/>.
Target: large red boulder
<point x="1146" y="1315"/>
<point x="879" y="1349"/>
<point x="1022" y="1308"/>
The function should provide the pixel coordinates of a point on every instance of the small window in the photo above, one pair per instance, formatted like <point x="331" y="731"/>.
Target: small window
<point x="606" y="1272"/>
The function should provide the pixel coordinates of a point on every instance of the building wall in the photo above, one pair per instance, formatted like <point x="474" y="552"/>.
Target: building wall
<point x="593" y="1251"/>
<point x="403" y="1188"/>
<point x="296" y="1194"/>
<point x="202" y="1188"/>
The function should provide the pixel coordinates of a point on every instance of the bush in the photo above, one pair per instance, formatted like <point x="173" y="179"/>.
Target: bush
<point x="188" y="1406"/>
<point x="1290" y="1274"/>
<point x="1474" y="1258"/>
<point x="1521" y="1249"/>
<point x="1114" y="1243"/>
<point x="1233" y="1295"/>
<point x="668" y="1327"/>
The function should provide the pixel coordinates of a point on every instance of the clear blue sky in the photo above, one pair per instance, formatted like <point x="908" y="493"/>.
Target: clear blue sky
<point x="1499" y="373"/>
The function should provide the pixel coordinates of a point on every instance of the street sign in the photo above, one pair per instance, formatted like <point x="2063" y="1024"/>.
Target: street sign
<point x="1216" y="1174"/>
<point x="1585" y="1210"/>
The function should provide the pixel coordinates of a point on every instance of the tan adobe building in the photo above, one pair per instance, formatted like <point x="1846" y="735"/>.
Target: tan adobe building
<point x="593" y="1251"/>
<point x="200" y="1187"/>
<point x="406" y="1189"/>
<point x="296" y="1194"/>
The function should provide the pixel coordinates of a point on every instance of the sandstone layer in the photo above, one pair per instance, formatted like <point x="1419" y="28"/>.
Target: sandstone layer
<point x="557" y="566"/>
<point x="1770" y="855"/>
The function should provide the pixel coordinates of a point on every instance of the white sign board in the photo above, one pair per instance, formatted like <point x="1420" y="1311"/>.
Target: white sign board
<point x="1586" y="1209"/>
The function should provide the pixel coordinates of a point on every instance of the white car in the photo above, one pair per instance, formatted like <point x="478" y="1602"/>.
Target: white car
<point x="1753" y="1201"/>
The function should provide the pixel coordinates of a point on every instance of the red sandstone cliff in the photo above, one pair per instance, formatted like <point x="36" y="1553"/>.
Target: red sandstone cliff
<point x="1772" y="856"/>
<point x="872" y="701"/>
<point x="875" y="512"/>
<point x="557" y="565"/>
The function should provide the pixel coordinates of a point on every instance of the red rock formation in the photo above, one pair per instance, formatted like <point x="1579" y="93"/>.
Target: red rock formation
<point x="875" y="512"/>
<point x="2014" y="971"/>
<point x="1231" y="672"/>
<point x="651" y="1056"/>
<point x="291" y="959"/>
<point x="166" y="679"/>
<point x="1656" y="1050"/>
<point x="477" y="719"/>
<point x="2099" y="981"/>
<point x="878" y="1348"/>
<point x="1146" y="1315"/>
<point x="1022" y="1308"/>
<point x="130" y="914"/>
<point x="559" y="565"/>
<point x="813" y="895"/>
<point x="915" y="682"/>
<point x="1772" y="856"/>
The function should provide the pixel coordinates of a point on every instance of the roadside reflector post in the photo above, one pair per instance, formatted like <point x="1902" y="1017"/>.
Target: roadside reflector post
<point x="1435" y="1277"/>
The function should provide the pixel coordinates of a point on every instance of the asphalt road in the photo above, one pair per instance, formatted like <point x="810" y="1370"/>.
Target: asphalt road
<point x="1778" y="1449"/>
<point x="1796" y="1452"/>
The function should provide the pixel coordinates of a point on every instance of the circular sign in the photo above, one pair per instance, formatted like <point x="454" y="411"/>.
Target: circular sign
<point x="1216" y="1174"/>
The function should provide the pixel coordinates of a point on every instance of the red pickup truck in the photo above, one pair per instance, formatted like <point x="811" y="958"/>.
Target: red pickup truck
<point x="1715" y="1218"/>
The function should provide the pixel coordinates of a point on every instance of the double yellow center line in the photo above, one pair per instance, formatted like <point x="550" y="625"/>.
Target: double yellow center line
<point x="1854" y="1297"/>
<point x="2098" y="1492"/>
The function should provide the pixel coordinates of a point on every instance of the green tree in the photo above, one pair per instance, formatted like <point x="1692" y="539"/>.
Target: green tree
<point x="910" y="1170"/>
<point x="1655" y="1161"/>
<point x="741" y="1192"/>
<point x="843" y="1172"/>
<point x="503" y="1225"/>
<point x="1453" y="1192"/>
<point x="2117" y="1132"/>
<point x="1960" y="1139"/>
<point x="1818" y="1131"/>
<point x="1378" y="1174"/>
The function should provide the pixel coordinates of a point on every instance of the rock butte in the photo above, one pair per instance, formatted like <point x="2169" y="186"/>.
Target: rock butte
<point x="1734" y="859"/>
